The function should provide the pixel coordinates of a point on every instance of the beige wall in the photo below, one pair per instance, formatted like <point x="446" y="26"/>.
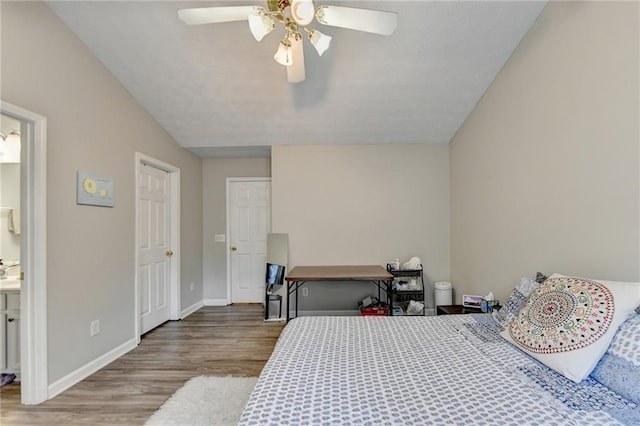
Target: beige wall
<point x="364" y="204"/>
<point x="94" y="125"/>
<point x="215" y="172"/>
<point x="545" y="171"/>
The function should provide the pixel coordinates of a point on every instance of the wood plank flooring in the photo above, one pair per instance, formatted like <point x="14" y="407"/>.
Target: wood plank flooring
<point x="215" y="341"/>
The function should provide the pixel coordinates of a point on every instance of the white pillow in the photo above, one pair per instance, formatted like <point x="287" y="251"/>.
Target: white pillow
<point x="568" y="322"/>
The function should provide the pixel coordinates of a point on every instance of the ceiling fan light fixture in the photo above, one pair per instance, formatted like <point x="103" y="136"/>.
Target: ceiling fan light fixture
<point x="283" y="54"/>
<point x="303" y="11"/>
<point x="295" y="16"/>
<point x="319" y="41"/>
<point x="260" y="25"/>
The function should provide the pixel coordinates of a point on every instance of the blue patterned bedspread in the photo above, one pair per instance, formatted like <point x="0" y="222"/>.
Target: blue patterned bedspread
<point x="452" y="369"/>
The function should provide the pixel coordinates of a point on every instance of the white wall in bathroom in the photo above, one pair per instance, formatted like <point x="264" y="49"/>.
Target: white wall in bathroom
<point x="9" y="198"/>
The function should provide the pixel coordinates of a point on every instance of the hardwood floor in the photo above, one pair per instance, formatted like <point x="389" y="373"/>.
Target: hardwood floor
<point x="214" y="341"/>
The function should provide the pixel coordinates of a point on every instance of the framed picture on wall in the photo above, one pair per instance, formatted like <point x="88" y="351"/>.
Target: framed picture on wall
<point x="471" y="301"/>
<point x="94" y="190"/>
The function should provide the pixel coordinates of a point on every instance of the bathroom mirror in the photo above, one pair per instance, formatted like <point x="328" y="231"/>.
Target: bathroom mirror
<point x="9" y="190"/>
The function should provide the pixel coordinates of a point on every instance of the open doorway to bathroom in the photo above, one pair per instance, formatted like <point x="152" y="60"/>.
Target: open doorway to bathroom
<point x="23" y="203"/>
<point x="10" y="241"/>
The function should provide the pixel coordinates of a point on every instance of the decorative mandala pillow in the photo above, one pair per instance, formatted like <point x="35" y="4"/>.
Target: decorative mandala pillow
<point x="568" y="322"/>
<point x="516" y="301"/>
<point x="619" y="368"/>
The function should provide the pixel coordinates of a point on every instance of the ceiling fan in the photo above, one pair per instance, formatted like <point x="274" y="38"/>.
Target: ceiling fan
<point x="295" y="16"/>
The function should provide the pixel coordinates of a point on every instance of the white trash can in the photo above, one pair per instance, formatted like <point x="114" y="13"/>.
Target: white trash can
<point x="443" y="293"/>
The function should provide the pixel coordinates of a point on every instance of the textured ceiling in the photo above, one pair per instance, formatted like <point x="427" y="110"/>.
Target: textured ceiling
<point x="218" y="91"/>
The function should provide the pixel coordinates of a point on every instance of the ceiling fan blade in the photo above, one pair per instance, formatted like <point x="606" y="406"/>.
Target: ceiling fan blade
<point x="371" y="21"/>
<point x="295" y="71"/>
<point x="214" y="15"/>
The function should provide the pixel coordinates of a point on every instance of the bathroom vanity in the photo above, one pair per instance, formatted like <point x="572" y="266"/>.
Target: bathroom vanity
<point x="10" y="325"/>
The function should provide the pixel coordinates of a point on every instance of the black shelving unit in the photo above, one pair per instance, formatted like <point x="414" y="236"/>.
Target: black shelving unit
<point x="403" y="297"/>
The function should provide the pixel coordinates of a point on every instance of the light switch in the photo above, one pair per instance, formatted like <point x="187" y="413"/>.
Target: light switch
<point x="219" y="238"/>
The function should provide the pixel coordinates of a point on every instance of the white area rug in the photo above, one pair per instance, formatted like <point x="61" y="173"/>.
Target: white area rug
<point x="205" y="400"/>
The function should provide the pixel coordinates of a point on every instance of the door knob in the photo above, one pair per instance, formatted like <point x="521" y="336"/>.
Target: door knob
<point x="11" y="319"/>
<point x="234" y="248"/>
<point x="168" y="253"/>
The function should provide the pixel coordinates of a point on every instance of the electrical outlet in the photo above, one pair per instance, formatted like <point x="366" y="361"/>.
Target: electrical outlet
<point x="192" y="286"/>
<point x="95" y="327"/>
<point x="305" y="291"/>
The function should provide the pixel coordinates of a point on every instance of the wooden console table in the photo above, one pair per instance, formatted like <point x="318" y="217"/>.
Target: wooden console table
<point x="300" y="275"/>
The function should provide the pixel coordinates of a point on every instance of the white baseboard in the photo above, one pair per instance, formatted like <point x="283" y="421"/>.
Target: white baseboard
<point x="88" y="369"/>
<point x="215" y="302"/>
<point x="191" y="309"/>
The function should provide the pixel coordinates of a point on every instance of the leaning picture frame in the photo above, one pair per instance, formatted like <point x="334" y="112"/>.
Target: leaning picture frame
<point x="472" y="301"/>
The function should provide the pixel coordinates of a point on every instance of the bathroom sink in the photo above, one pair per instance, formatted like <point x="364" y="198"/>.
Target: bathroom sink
<point x="12" y="282"/>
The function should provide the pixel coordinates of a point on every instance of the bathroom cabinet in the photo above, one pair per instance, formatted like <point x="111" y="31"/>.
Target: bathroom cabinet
<point x="10" y="331"/>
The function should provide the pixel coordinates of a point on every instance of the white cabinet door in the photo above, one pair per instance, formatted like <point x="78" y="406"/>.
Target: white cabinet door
<point x="13" y="342"/>
<point x="10" y="332"/>
<point x="3" y="341"/>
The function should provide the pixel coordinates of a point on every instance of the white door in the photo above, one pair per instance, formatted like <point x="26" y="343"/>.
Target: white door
<point x="154" y="247"/>
<point x="249" y="223"/>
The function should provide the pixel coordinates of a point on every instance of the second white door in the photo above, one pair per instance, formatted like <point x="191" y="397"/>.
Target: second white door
<point x="249" y="223"/>
<point x="155" y="253"/>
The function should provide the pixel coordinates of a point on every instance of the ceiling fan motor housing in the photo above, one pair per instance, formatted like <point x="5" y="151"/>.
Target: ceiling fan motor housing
<point x="302" y="11"/>
<point x="277" y="5"/>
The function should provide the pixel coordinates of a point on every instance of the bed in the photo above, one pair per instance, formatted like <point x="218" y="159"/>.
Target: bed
<point x="453" y="369"/>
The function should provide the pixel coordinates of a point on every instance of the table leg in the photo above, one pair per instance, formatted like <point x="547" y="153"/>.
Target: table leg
<point x="389" y="287"/>
<point x="297" y="299"/>
<point x="288" y="292"/>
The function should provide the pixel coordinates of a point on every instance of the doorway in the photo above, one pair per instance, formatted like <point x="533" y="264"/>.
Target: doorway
<point x="32" y="232"/>
<point x="157" y="279"/>
<point x="10" y="242"/>
<point x="248" y="223"/>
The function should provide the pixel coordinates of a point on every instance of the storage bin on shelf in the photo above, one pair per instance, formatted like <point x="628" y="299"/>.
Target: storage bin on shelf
<point x="374" y="311"/>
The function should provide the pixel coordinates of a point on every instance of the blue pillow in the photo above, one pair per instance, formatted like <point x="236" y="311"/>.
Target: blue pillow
<point x="619" y="367"/>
